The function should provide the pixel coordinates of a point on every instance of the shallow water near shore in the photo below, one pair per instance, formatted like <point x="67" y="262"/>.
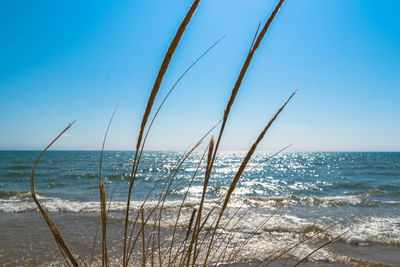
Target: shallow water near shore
<point x="305" y="192"/>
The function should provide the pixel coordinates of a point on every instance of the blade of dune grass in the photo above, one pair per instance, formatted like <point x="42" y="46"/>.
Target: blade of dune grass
<point x="173" y="87"/>
<point x="149" y="194"/>
<point x="221" y="198"/>
<point x="190" y="248"/>
<point x="103" y="198"/>
<point x="236" y="252"/>
<point x="170" y="91"/>
<point x="164" y="195"/>
<point x="288" y="248"/>
<point x="83" y="261"/>
<point x="181" y="206"/>
<point x="101" y="195"/>
<point x="63" y="254"/>
<point x="255" y="44"/>
<point x="103" y="201"/>
<point x="197" y="233"/>
<point x="224" y="227"/>
<point x="176" y="167"/>
<point x="268" y="158"/>
<point x="231" y="236"/>
<point x="57" y="235"/>
<point x="152" y="210"/>
<point x="323" y="245"/>
<point x="94" y="243"/>
<point x="153" y="240"/>
<point x="187" y="233"/>
<point x="189" y="228"/>
<point x="190" y="223"/>
<point x="164" y="66"/>
<point x="240" y="172"/>
<point x="145" y="200"/>
<point x="148" y="246"/>
<point x="198" y="218"/>
<point x="143" y="242"/>
<point x="259" y="226"/>
<point x="104" y="142"/>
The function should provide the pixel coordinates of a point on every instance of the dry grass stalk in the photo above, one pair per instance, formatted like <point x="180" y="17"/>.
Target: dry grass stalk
<point x="143" y="243"/>
<point x="149" y="194"/>
<point x="94" y="243"/>
<point x="165" y="193"/>
<point x="268" y="260"/>
<point x="230" y="237"/>
<point x="180" y="209"/>
<point x="240" y="172"/>
<point x="320" y="247"/>
<point x="103" y="219"/>
<point x="182" y="157"/>
<point x="236" y="252"/>
<point x="186" y="239"/>
<point x="253" y="48"/>
<point x="103" y="201"/>
<point x="195" y="235"/>
<point x="268" y="158"/>
<point x="223" y="196"/>
<point x="255" y="44"/>
<point x="164" y="66"/>
<point x="65" y="251"/>
<point x="190" y="253"/>
<point x="173" y="87"/>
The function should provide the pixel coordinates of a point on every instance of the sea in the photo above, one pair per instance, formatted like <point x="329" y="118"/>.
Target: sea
<point x="352" y="198"/>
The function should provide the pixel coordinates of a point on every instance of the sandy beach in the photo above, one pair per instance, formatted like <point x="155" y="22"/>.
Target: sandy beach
<point x="28" y="242"/>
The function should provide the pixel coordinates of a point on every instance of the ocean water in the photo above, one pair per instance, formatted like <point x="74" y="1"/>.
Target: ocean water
<point x="305" y="192"/>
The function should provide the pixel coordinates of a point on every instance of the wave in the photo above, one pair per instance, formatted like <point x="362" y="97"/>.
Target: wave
<point x="15" y="174"/>
<point x="322" y="201"/>
<point x="20" y="167"/>
<point x="20" y="201"/>
<point x="369" y="229"/>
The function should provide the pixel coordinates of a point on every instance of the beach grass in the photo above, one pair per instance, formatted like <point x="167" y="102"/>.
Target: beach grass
<point x="142" y="232"/>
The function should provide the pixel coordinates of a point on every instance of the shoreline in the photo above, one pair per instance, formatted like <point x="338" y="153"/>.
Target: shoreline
<point x="28" y="242"/>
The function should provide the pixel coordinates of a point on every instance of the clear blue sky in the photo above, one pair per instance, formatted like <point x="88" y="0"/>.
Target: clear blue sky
<point x="66" y="60"/>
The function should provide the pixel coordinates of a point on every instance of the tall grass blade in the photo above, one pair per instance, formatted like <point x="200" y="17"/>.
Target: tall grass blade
<point x="164" y="66"/>
<point x="57" y="236"/>
<point x="323" y="245"/>
<point x="240" y="172"/>
<point x="255" y="44"/>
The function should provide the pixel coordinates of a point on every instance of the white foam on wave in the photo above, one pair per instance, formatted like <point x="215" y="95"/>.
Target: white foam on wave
<point x="375" y="230"/>
<point x="366" y="229"/>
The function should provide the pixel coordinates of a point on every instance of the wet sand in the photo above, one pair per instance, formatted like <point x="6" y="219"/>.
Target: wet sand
<point x="25" y="240"/>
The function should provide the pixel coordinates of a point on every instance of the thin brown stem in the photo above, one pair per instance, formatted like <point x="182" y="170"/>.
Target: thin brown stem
<point x="143" y="243"/>
<point x="181" y="206"/>
<point x="205" y="185"/>
<point x="241" y="169"/>
<point x="163" y="69"/>
<point x="56" y="234"/>
<point x="323" y="245"/>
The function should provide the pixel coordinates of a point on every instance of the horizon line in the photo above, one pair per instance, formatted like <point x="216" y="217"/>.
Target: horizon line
<point x="155" y="150"/>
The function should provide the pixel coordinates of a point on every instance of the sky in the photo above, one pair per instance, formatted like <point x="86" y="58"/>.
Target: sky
<point x="76" y="60"/>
